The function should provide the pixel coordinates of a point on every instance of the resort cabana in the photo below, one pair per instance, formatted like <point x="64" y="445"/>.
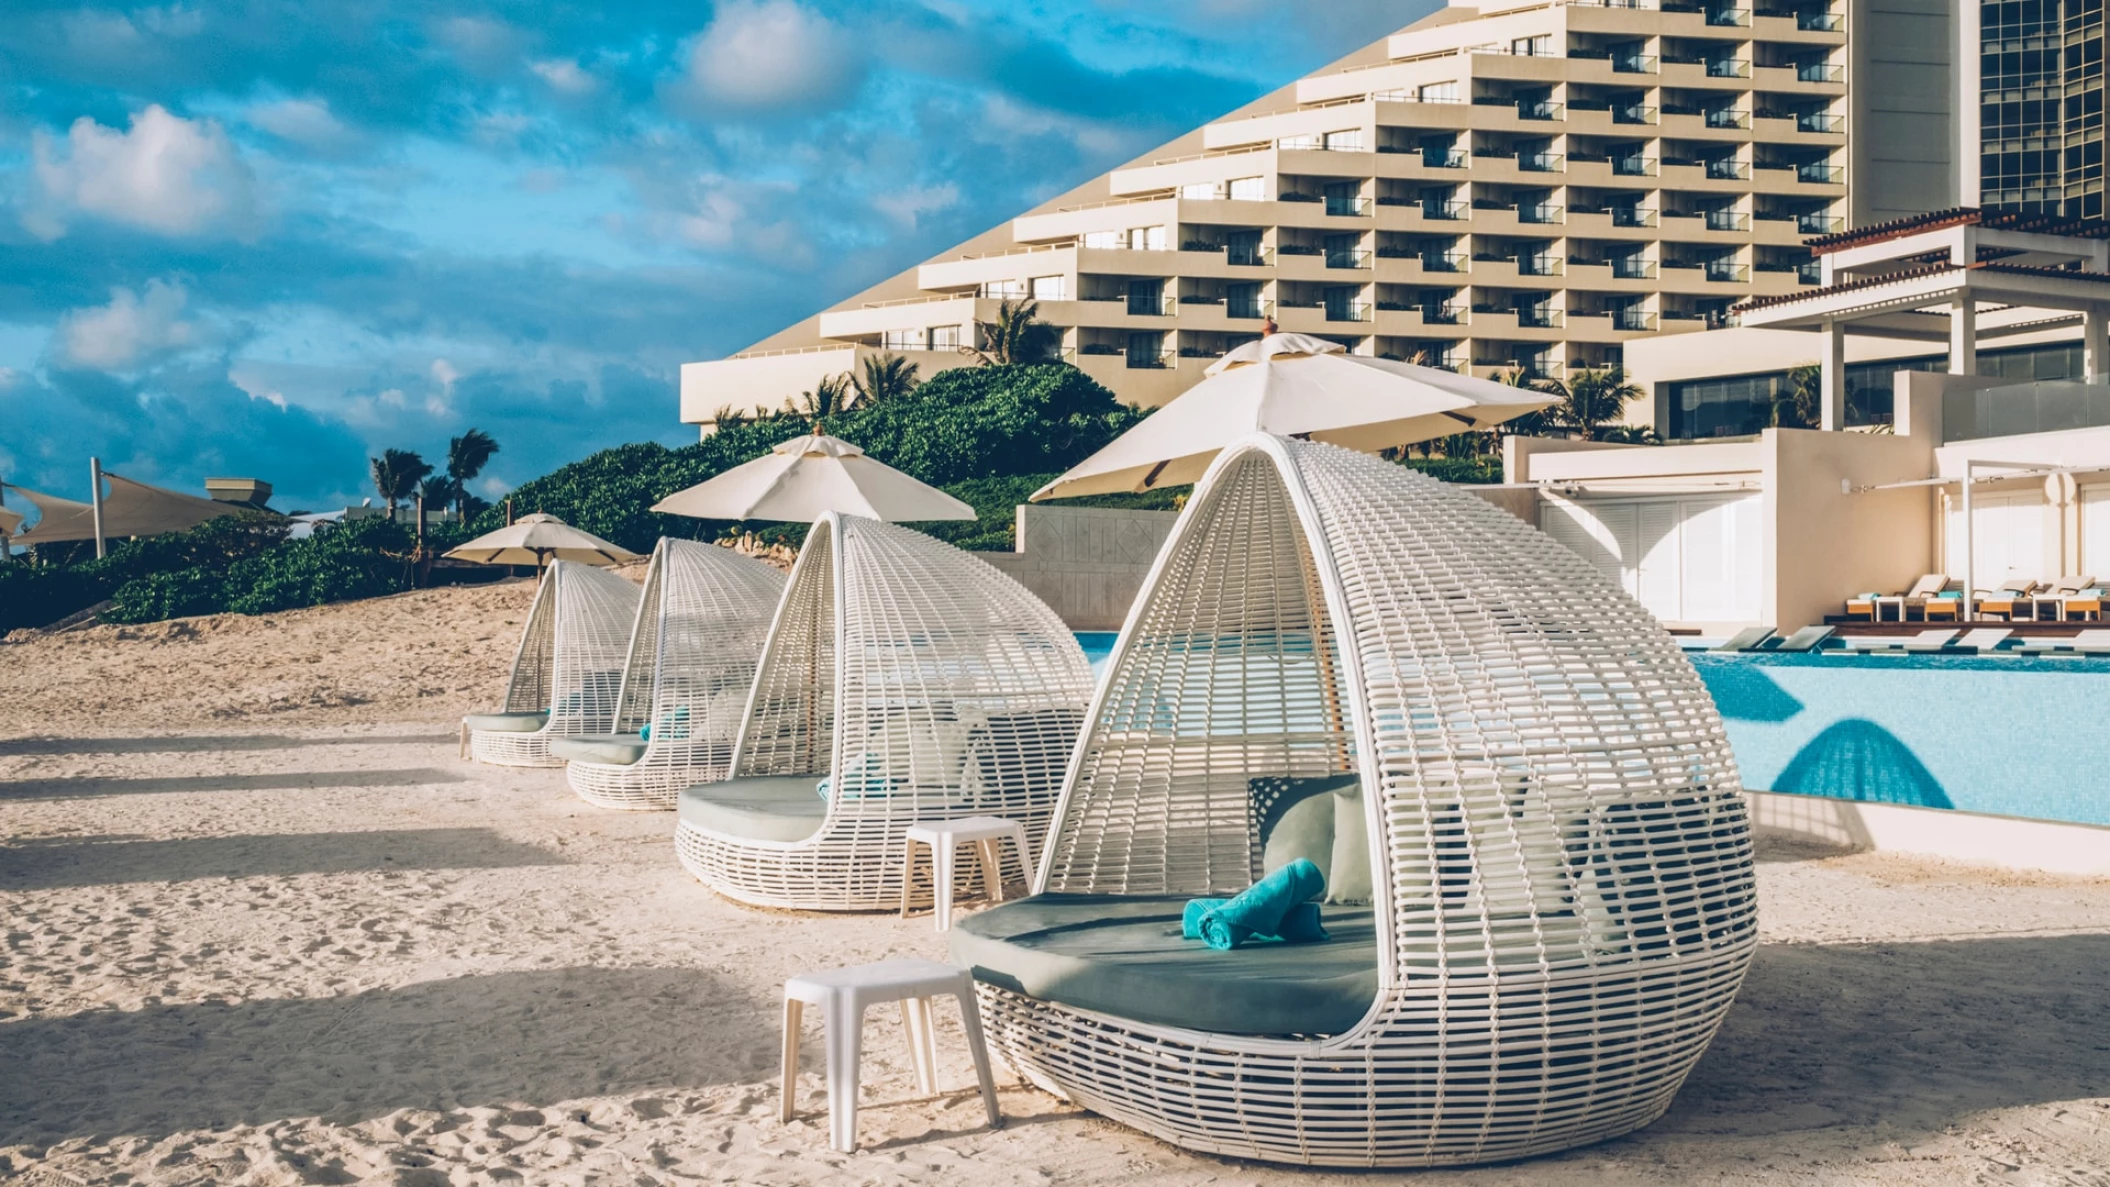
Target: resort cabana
<point x="1467" y="728"/>
<point x="921" y="684"/>
<point x="566" y="671"/>
<point x="700" y="625"/>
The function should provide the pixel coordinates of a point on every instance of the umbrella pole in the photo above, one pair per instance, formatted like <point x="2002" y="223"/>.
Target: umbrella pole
<point x="95" y="501"/>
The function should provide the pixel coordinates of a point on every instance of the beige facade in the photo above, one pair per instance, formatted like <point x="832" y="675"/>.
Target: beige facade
<point x="1491" y="188"/>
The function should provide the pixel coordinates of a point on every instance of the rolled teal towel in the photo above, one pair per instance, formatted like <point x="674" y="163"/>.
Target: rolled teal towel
<point x="1261" y="907"/>
<point x="1300" y="926"/>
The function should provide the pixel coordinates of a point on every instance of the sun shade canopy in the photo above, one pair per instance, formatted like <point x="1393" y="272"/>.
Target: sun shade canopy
<point x="805" y="478"/>
<point x="1293" y="385"/>
<point x="533" y="539"/>
<point x="130" y="509"/>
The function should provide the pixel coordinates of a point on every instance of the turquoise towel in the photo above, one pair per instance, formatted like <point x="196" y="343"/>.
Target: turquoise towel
<point x="1261" y="908"/>
<point x="1300" y="926"/>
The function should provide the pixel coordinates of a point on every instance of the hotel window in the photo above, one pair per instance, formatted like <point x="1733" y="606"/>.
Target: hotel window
<point x="1438" y="92"/>
<point x="1248" y="189"/>
<point x="1532" y="47"/>
<point x="1051" y="288"/>
<point x="1146" y="238"/>
<point x="1104" y="239"/>
<point x="1201" y="191"/>
<point x="945" y="337"/>
<point x="1350" y="140"/>
<point x="1004" y="290"/>
<point x="904" y="339"/>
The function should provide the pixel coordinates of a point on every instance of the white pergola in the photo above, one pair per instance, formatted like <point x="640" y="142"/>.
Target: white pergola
<point x="1960" y="276"/>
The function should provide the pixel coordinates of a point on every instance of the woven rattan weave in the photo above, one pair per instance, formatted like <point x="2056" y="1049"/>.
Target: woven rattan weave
<point x="570" y="663"/>
<point x="926" y="684"/>
<point x="1563" y="871"/>
<point x="700" y="627"/>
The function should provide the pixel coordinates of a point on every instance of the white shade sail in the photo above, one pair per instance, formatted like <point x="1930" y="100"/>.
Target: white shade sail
<point x="533" y="539"/>
<point x="130" y="509"/>
<point x="1294" y="385"/>
<point x="807" y="477"/>
<point x="9" y="521"/>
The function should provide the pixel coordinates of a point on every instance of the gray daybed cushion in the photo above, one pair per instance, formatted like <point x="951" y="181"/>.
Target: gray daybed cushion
<point x="1124" y="956"/>
<point x="757" y="808"/>
<point x="620" y="749"/>
<point x="507" y="723"/>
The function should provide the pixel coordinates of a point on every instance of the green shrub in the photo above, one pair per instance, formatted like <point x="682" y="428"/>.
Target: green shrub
<point x="34" y="596"/>
<point x="995" y="501"/>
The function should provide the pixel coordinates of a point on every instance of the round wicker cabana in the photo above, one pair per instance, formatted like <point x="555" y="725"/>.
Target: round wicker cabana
<point x="922" y="684"/>
<point x="1522" y="765"/>
<point x="700" y="625"/>
<point x="566" y="671"/>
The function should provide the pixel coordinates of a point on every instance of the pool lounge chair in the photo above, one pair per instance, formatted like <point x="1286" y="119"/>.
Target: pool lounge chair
<point x="1751" y="638"/>
<point x="2011" y="599"/>
<point x="917" y="682"/>
<point x="566" y="671"/>
<point x="1901" y="606"/>
<point x="2094" y="641"/>
<point x="2066" y="596"/>
<point x="1979" y="640"/>
<point x="1553" y="931"/>
<point x="1933" y="640"/>
<point x="1808" y="638"/>
<point x="700" y="625"/>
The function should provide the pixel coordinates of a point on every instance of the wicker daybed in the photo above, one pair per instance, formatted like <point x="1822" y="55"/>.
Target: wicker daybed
<point x="566" y="671"/>
<point x="700" y="626"/>
<point x="1563" y="902"/>
<point x="922" y="684"/>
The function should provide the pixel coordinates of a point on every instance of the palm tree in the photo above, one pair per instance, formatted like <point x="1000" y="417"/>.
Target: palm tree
<point x="885" y="377"/>
<point x="466" y="457"/>
<point x="1798" y="404"/>
<point x="1017" y="335"/>
<point x="829" y="397"/>
<point x="397" y="473"/>
<point x="1589" y="401"/>
<point x="440" y="490"/>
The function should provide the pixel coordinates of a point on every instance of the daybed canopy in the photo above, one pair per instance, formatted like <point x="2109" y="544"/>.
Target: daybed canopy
<point x="922" y="684"/>
<point x="700" y="626"/>
<point x="1502" y="756"/>
<point x="567" y="670"/>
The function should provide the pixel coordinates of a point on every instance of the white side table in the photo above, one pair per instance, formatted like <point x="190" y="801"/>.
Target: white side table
<point x="944" y="838"/>
<point x="842" y="995"/>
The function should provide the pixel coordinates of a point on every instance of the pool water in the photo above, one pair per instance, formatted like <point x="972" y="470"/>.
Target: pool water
<point x="1098" y="645"/>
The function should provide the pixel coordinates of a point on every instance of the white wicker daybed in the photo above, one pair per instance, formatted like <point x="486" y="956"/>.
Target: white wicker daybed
<point x="922" y="684"/>
<point x="700" y="626"/>
<point x="1563" y="902"/>
<point x="566" y="671"/>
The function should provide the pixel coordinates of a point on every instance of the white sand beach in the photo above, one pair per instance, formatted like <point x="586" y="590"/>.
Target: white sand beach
<point x="264" y="927"/>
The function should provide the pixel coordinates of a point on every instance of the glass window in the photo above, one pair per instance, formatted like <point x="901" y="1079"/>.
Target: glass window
<point x="1004" y="290"/>
<point x="1051" y="288"/>
<point x="1438" y="92"/>
<point x="945" y="337"/>
<point x="1200" y="191"/>
<point x="904" y="339"/>
<point x="1248" y="189"/>
<point x="1103" y="239"/>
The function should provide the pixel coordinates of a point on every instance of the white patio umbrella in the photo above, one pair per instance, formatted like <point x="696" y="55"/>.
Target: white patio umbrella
<point x="806" y="477"/>
<point x="537" y="539"/>
<point x="1293" y="385"/>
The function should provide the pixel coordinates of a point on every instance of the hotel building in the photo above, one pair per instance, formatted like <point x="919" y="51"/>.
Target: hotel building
<point x="1492" y="188"/>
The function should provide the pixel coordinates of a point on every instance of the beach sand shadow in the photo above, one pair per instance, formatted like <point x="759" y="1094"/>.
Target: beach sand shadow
<point x="105" y="861"/>
<point x="1910" y="1037"/>
<point x="185" y="744"/>
<point x="522" y="1039"/>
<point x="83" y="788"/>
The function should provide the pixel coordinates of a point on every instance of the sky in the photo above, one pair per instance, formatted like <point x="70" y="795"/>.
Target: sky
<point x="269" y="240"/>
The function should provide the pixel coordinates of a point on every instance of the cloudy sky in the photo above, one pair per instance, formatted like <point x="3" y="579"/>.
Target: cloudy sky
<point x="269" y="239"/>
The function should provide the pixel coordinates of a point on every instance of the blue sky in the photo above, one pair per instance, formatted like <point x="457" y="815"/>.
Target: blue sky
<point x="271" y="239"/>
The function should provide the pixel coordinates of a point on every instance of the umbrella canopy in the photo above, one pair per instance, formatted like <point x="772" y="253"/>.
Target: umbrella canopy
<point x="1293" y="385"/>
<point x="807" y="477"/>
<point x="533" y="539"/>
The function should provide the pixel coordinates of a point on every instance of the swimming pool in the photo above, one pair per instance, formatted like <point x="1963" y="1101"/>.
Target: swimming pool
<point x="1098" y="645"/>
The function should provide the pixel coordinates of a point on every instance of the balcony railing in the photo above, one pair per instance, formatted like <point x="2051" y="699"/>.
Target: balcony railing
<point x="1633" y="216"/>
<point x="1727" y="117"/>
<point x="1729" y="17"/>
<point x="1727" y="169"/>
<point x="1443" y="261"/>
<point x="1347" y="207"/>
<point x="1143" y="360"/>
<point x="1540" y="162"/>
<point x="1633" y="166"/>
<point x="1152" y="305"/>
<point x="1300" y="249"/>
<point x="1347" y="259"/>
<point x="1539" y="265"/>
<point x="1820" y="174"/>
<point x="1538" y="212"/>
<point x="1247" y="309"/>
<point x="1818" y="22"/>
<point x="1819" y="72"/>
<point x="1821" y="122"/>
<point x="1727" y="220"/>
<point x="1443" y="158"/>
<point x="1347" y="311"/>
<point x="1539" y="109"/>
<point x="1810" y="272"/>
<point x="1817" y="224"/>
<point x="1442" y="314"/>
<point x="1245" y="256"/>
<point x="1633" y="268"/>
<point x="1633" y="63"/>
<point x="1633" y="113"/>
<point x="1728" y="271"/>
<point x="1443" y="209"/>
<point x="1538" y="317"/>
<point x="1633" y="320"/>
<point x="1728" y="68"/>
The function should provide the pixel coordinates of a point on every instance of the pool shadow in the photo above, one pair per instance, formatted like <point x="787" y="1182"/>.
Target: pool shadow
<point x="84" y="788"/>
<point x="184" y="744"/>
<point x="1909" y="1037"/>
<point x="1856" y="759"/>
<point x="104" y="861"/>
<point x="519" y="1038"/>
<point x="1744" y="692"/>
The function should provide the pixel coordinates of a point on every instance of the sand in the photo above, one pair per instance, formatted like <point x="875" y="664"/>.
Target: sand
<point x="263" y="927"/>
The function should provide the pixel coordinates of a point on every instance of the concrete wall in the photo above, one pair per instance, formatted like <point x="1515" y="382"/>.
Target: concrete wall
<point x="1086" y="562"/>
<point x="1822" y="543"/>
<point x="1902" y="86"/>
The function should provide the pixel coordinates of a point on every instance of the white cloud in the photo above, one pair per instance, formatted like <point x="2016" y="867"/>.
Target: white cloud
<point x="166" y="174"/>
<point x="564" y="76"/>
<point x="302" y="121"/>
<point x="905" y="206"/>
<point x="130" y="330"/>
<point x="760" y="55"/>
